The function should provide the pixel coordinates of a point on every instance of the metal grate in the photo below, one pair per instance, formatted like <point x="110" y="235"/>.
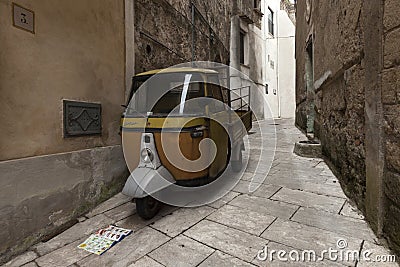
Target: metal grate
<point x="81" y="118"/>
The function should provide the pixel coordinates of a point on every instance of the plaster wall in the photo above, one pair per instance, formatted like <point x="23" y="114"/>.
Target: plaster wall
<point x="77" y="53"/>
<point x="70" y="56"/>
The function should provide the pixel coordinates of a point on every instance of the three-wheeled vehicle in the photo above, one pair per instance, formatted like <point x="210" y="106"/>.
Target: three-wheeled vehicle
<point x="157" y="115"/>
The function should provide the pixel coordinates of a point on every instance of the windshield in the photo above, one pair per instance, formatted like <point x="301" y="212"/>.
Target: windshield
<point x="160" y="94"/>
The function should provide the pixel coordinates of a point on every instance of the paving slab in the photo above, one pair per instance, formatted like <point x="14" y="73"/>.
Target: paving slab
<point x="247" y="176"/>
<point x="181" y="220"/>
<point x="333" y="190"/>
<point x="265" y="206"/>
<point x="299" y="205"/>
<point x="328" y="173"/>
<point x="306" y="237"/>
<point x="224" y="200"/>
<point x="135" y="223"/>
<point x="309" y="184"/>
<point x="181" y="251"/>
<point x="64" y="256"/>
<point x="30" y="264"/>
<point x="269" y="257"/>
<point x="231" y="241"/>
<point x="242" y="187"/>
<point x="109" y="204"/>
<point x="352" y="211"/>
<point x="375" y="254"/>
<point x="310" y="200"/>
<point x="245" y="220"/>
<point x="334" y="223"/>
<point x="121" y="212"/>
<point x="221" y="259"/>
<point x="266" y="190"/>
<point x="145" y="262"/>
<point x="129" y="250"/>
<point x="290" y="178"/>
<point x="74" y="233"/>
<point x="22" y="259"/>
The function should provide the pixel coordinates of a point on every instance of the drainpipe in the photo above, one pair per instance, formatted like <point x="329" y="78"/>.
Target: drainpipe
<point x="235" y="40"/>
<point x="193" y="32"/>
<point x="277" y="65"/>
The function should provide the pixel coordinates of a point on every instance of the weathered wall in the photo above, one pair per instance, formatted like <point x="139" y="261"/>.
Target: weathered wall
<point x="286" y="64"/>
<point x="339" y="101"/>
<point x="69" y="57"/>
<point x="76" y="53"/>
<point x="357" y="104"/>
<point x="271" y="60"/>
<point x="163" y="32"/>
<point x="391" y="113"/>
<point x="303" y="31"/>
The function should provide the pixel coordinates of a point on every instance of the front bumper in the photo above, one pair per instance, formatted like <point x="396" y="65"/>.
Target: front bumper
<point x="145" y="181"/>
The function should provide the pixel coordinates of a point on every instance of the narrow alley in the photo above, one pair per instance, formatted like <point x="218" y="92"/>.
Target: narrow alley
<point x="199" y="133"/>
<point x="300" y="206"/>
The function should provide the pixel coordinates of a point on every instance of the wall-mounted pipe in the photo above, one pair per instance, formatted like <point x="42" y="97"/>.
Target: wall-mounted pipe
<point x="193" y="31"/>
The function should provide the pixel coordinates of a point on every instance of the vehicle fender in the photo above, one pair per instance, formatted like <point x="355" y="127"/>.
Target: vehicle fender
<point x="146" y="181"/>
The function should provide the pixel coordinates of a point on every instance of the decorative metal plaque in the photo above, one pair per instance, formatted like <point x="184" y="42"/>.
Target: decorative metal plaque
<point x="23" y="18"/>
<point x="81" y="118"/>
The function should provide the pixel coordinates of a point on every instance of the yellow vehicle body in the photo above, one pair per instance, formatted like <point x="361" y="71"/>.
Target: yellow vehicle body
<point x="177" y="139"/>
<point x="132" y="129"/>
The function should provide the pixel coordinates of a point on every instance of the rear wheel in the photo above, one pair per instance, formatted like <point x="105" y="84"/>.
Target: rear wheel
<point x="147" y="207"/>
<point x="237" y="165"/>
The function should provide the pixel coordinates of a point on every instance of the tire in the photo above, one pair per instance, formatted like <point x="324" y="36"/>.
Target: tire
<point x="237" y="165"/>
<point x="147" y="207"/>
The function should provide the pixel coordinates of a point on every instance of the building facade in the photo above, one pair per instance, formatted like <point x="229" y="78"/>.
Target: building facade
<point x="278" y="59"/>
<point x="66" y="71"/>
<point x="74" y="51"/>
<point x="347" y="95"/>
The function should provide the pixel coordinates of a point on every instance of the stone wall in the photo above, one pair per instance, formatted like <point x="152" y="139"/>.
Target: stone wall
<point x="303" y="31"/>
<point x="339" y="101"/>
<point x="391" y="115"/>
<point x="163" y="32"/>
<point x="356" y="71"/>
<point x="336" y="34"/>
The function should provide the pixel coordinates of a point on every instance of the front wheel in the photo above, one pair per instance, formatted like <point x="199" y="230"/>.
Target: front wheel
<point x="147" y="207"/>
<point x="237" y="165"/>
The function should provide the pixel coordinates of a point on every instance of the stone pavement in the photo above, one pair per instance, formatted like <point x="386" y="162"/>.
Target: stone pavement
<point x="300" y="206"/>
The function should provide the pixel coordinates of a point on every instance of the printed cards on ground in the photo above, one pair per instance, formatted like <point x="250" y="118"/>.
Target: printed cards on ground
<point x="104" y="239"/>
<point x="96" y="244"/>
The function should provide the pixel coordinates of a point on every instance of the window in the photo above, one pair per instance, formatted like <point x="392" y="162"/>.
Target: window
<point x="216" y="93"/>
<point x="256" y="4"/>
<point x="175" y="89"/>
<point x="242" y="49"/>
<point x="270" y="21"/>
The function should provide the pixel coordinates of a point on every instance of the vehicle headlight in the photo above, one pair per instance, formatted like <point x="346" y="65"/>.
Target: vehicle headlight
<point x="147" y="155"/>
